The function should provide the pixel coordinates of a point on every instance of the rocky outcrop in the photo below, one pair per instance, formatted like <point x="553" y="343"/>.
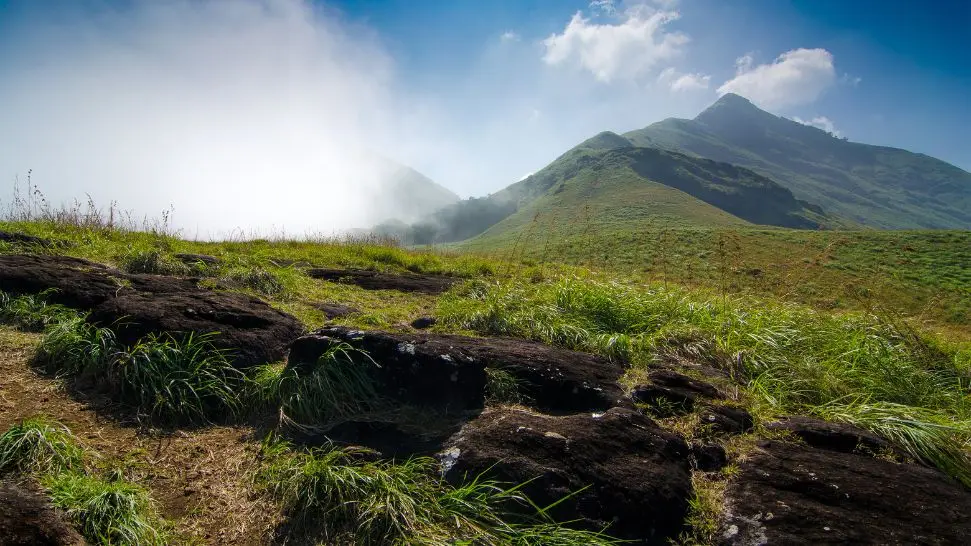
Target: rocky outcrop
<point x="373" y="280"/>
<point x="25" y="240"/>
<point x="831" y="436"/>
<point x="616" y="470"/>
<point x="790" y="494"/>
<point x="135" y="305"/>
<point x="449" y="370"/>
<point x="672" y="393"/>
<point x="28" y="519"/>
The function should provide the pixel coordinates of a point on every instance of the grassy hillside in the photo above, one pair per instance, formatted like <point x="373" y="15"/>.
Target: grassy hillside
<point x="619" y="182"/>
<point x="873" y="185"/>
<point x="912" y="273"/>
<point x="230" y="480"/>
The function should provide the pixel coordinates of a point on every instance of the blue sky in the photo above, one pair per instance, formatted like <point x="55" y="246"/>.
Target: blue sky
<point x="205" y="103"/>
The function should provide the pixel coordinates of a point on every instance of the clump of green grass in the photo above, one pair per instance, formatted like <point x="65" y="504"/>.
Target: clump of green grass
<point x="178" y="380"/>
<point x="377" y="502"/>
<point x="256" y="279"/>
<point x="39" y="446"/>
<point x="154" y="262"/>
<point x="502" y="387"/>
<point x="74" y="345"/>
<point x="31" y="312"/>
<point x="792" y="359"/>
<point x="339" y="384"/>
<point x="105" y="511"/>
<point x="169" y="379"/>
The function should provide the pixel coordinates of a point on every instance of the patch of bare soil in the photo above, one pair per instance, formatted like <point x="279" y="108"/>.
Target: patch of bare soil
<point x="200" y="478"/>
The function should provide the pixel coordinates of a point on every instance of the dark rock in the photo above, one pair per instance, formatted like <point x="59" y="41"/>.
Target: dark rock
<point x="411" y="370"/>
<point x="791" y="494"/>
<point x="190" y="259"/>
<point x="394" y="439"/>
<point x="423" y="323"/>
<point x="137" y="305"/>
<point x="28" y="519"/>
<point x="335" y="310"/>
<point x="672" y="393"/>
<point x="554" y="379"/>
<point x="636" y="474"/>
<point x="24" y="239"/>
<point x="708" y="457"/>
<point x="832" y="436"/>
<point x="721" y="419"/>
<point x="373" y="280"/>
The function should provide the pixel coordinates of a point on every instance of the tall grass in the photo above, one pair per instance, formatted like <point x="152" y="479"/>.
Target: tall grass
<point x="178" y="379"/>
<point x="106" y="512"/>
<point x="350" y="496"/>
<point x="169" y="379"/>
<point x="339" y="384"/>
<point x="31" y="312"/>
<point x="859" y="368"/>
<point x="38" y="446"/>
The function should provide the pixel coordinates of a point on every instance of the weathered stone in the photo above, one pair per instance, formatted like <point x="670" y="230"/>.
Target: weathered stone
<point x="790" y="494"/>
<point x="832" y="436"/>
<point x="373" y="280"/>
<point x="450" y="369"/>
<point x="722" y="419"/>
<point x="422" y="323"/>
<point x="138" y="305"/>
<point x="189" y="259"/>
<point x="708" y="457"/>
<point x="335" y="310"/>
<point x="28" y="519"/>
<point x="672" y="393"/>
<point x="623" y="471"/>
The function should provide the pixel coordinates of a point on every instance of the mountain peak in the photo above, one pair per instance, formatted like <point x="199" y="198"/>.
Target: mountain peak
<point x="729" y="103"/>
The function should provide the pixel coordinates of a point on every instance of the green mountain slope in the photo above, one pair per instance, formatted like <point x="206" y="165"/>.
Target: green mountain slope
<point x="608" y="185"/>
<point x="873" y="185"/>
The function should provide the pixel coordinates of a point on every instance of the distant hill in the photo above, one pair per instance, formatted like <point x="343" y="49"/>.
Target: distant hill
<point x="874" y="185"/>
<point x="614" y="183"/>
<point x="405" y="195"/>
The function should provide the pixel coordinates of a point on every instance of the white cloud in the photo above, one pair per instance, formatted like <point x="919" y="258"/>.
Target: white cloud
<point x="509" y="36"/>
<point x="796" y="77"/>
<point x="678" y="81"/>
<point x="628" y="49"/>
<point x="605" y="7"/>
<point x="820" y="122"/>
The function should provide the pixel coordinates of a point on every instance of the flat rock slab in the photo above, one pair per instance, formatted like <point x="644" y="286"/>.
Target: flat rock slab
<point x="636" y="474"/>
<point x="450" y="370"/>
<point x="373" y="280"/>
<point x="190" y="259"/>
<point x="791" y="494"/>
<point x="28" y="519"/>
<point x="137" y="305"/>
<point x="832" y="436"/>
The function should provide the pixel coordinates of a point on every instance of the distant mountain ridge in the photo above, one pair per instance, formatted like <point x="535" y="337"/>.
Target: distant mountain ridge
<point x="876" y="186"/>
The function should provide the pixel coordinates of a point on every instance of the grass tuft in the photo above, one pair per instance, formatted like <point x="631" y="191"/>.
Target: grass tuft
<point x="106" y="512"/>
<point x="31" y="312"/>
<point x="153" y="262"/>
<point x="338" y="385"/>
<point x="350" y="496"/>
<point x="39" y="446"/>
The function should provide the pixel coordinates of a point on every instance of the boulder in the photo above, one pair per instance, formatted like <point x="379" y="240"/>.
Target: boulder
<point x="423" y="323"/>
<point x="617" y="469"/>
<point x="28" y="519"/>
<point x="335" y="310"/>
<point x="374" y="280"/>
<point x="137" y="305"/>
<point x="450" y="369"/>
<point x="189" y="259"/>
<point x="832" y="436"/>
<point x="722" y="419"/>
<point x="791" y="494"/>
<point x="24" y="239"/>
<point x="672" y="393"/>
<point x="708" y="457"/>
